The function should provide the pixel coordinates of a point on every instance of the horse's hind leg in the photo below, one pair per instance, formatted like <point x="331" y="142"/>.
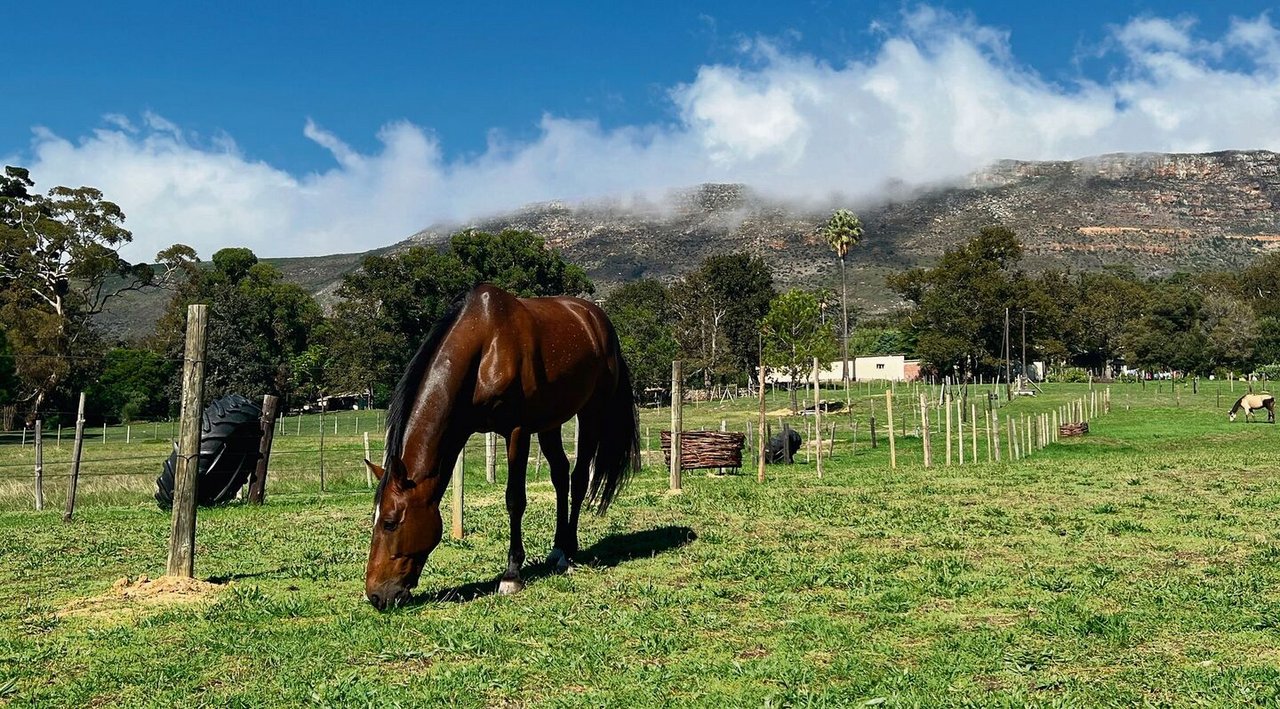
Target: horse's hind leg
<point x="553" y="448"/>
<point x="588" y="441"/>
<point x="517" y="462"/>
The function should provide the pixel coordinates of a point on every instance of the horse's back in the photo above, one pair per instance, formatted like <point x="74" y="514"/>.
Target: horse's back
<point x="550" y="353"/>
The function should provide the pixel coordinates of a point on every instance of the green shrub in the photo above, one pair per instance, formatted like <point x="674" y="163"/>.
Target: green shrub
<point x="1070" y="375"/>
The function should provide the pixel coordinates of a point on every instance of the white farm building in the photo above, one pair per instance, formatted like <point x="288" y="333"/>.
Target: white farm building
<point x="895" y="368"/>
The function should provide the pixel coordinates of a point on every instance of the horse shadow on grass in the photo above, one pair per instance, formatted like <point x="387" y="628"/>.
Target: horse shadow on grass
<point x="610" y="551"/>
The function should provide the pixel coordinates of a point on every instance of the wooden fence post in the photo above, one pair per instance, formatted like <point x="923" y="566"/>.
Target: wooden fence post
<point x="946" y="403"/>
<point x="677" y="421"/>
<point x="817" y="417"/>
<point x="75" y="463"/>
<point x="258" y="483"/>
<point x="763" y="434"/>
<point x="39" y="464"/>
<point x="924" y="430"/>
<point x="973" y="433"/>
<point x="993" y="427"/>
<point x="459" y="467"/>
<point x="491" y="457"/>
<point x="321" y="449"/>
<point x="182" y="534"/>
<point x="872" y="422"/>
<point x="960" y="433"/>
<point x="888" y="414"/>
<point x="368" y="474"/>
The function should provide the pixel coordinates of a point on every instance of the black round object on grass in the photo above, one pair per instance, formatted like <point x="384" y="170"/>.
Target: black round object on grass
<point x="229" y="437"/>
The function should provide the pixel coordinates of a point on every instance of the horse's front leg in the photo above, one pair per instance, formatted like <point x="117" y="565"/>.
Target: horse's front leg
<point x="517" y="463"/>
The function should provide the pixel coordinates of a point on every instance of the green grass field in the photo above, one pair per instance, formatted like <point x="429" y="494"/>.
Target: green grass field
<point x="1136" y="565"/>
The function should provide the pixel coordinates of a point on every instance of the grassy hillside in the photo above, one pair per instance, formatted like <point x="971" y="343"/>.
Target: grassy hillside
<point x="1135" y="565"/>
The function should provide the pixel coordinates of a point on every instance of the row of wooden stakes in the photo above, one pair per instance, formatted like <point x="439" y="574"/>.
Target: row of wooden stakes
<point x="1025" y="433"/>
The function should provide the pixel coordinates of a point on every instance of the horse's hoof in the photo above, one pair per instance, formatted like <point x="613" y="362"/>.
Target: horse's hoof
<point x="507" y="587"/>
<point x="558" y="560"/>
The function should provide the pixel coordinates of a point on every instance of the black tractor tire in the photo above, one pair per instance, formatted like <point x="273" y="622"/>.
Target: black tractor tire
<point x="229" y="437"/>
<point x="774" y="454"/>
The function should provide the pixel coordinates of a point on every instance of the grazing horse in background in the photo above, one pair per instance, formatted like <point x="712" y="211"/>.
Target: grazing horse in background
<point x="517" y="367"/>
<point x="1251" y="403"/>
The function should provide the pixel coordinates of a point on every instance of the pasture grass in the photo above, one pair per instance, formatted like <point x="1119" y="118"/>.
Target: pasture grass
<point x="1137" y="565"/>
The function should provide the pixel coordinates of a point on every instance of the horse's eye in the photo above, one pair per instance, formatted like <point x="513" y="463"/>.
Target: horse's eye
<point x="390" y="525"/>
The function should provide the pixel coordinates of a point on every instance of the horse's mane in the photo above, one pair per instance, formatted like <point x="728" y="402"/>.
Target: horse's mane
<point x="406" y="392"/>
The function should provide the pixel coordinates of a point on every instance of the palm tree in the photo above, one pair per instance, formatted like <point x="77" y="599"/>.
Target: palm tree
<point x="841" y="232"/>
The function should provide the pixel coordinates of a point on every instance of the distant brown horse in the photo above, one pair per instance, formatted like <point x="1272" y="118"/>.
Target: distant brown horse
<point x="518" y="367"/>
<point x="1253" y="402"/>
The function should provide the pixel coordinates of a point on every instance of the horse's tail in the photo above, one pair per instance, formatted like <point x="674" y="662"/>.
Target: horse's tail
<point x="618" y="453"/>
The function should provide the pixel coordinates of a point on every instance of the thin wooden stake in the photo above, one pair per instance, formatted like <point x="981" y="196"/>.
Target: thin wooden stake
<point x="459" y="467"/>
<point x="946" y="403"/>
<point x="258" y="483"/>
<point x="924" y="429"/>
<point x="888" y="414"/>
<point x="973" y="433"/>
<point x="763" y="434"/>
<point x="491" y="457"/>
<point x="39" y="464"/>
<point x="817" y="417"/>
<point x="76" y="451"/>
<point x="993" y="427"/>
<point x="368" y="474"/>
<point x="677" y="422"/>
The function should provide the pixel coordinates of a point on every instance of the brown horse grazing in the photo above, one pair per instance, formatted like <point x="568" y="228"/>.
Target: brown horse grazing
<point x="518" y="367"/>
<point x="1251" y="403"/>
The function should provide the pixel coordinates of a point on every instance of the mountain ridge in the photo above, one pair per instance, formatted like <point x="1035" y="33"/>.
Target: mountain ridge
<point x="1155" y="212"/>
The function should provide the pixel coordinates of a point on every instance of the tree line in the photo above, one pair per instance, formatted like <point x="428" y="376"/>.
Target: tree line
<point x="60" y="267"/>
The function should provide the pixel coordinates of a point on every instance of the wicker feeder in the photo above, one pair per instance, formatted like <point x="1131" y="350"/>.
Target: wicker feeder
<point x="706" y="449"/>
<point x="1067" y="430"/>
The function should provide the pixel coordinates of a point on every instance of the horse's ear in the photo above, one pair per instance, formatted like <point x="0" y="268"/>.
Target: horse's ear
<point x="375" y="469"/>
<point x="399" y="474"/>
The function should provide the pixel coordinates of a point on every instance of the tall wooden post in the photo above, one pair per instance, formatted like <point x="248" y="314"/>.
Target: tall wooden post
<point x="888" y="414"/>
<point x="973" y="433"/>
<point x="677" y="421"/>
<point x="491" y="457"/>
<point x="871" y="403"/>
<point x="76" y="451"/>
<point x="258" y="483"/>
<point x="994" y="426"/>
<point x="459" y="467"/>
<point x="763" y="435"/>
<point x="924" y="430"/>
<point x="368" y="474"/>
<point x="946" y="403"/>
<point x="39" y="464"/>
<point x="322" y="449"/>
<point x="817" y="417"/>
<point x="182" y="534"/>
<point x="959" y="434"/>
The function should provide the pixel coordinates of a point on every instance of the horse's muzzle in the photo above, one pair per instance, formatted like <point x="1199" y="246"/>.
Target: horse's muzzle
<point x="389" y="596"/>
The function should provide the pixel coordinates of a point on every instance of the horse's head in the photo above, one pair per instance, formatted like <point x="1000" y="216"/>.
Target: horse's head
<point x="406" y="528"/>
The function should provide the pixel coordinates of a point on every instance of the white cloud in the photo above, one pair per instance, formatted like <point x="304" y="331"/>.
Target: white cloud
<point x="939" y="96"/>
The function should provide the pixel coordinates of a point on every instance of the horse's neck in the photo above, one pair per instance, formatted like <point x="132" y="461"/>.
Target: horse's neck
<point x="434" y="436"/>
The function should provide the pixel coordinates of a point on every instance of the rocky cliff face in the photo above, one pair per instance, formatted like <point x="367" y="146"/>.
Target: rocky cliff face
<point x="1156" y="212"/>
<point x="1159" y="213"/>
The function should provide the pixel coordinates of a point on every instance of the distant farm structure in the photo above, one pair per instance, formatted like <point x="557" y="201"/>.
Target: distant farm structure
<point x="891" y="368"/>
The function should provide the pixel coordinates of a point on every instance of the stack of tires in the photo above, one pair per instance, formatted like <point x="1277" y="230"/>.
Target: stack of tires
<point x="229" y="437"/>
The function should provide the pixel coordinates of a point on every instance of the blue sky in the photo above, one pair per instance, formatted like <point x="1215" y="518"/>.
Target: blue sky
<point x="298" y="128"/>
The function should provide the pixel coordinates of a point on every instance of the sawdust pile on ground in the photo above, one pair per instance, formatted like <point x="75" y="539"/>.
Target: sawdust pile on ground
<point x="127" y="594"/>
<point x="165" y="587"/>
